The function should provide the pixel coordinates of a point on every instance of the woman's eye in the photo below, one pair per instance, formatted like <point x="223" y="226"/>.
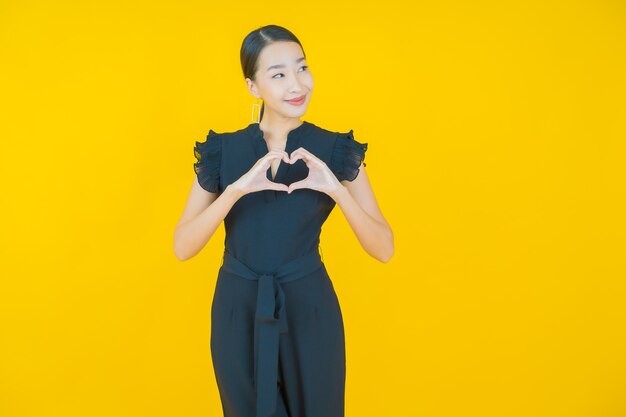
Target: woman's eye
<point x="280" y="73"/>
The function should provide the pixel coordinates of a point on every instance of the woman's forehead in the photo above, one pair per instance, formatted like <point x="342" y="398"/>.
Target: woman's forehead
<point x="280" y="55"/>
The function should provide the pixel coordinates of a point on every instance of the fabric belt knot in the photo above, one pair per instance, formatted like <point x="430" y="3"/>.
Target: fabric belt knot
<point x="270" y="320"/>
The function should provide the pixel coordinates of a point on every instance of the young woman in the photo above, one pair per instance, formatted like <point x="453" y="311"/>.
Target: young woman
<point x="277" y="335"/>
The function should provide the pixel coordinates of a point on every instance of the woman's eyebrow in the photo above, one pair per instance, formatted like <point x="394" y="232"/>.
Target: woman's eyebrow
<point x="282" y="65"/>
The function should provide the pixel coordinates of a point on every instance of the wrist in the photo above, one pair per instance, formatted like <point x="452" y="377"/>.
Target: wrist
<point x="338" y="192"/>
<point x="233" y="190"/>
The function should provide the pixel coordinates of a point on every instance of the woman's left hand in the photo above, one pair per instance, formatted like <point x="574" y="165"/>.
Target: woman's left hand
<point x="320" y="177"/>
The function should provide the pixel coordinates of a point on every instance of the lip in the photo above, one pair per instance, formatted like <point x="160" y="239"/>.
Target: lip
<point x="297" y="100"/>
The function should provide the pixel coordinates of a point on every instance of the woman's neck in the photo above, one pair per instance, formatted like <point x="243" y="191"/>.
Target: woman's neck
<point x="276" y="130"/>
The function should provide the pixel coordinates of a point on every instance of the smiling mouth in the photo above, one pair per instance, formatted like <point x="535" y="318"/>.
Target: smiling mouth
<point x="297" y="99"/>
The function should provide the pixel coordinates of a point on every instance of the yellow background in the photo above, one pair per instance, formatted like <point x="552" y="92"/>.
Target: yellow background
<point x="496" y="151"/>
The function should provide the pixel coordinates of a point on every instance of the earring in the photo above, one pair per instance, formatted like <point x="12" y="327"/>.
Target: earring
<point x="258" y="106"/>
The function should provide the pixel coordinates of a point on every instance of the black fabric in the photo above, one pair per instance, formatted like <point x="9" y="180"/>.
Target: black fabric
<point x="265" y="230"/>
<point x="347" y="157"/>
<point x="209" y="155"/>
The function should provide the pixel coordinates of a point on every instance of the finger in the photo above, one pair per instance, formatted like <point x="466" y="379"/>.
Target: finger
<point x="270" y="156"/>
<point x="276" y="186"/>
<point x="297" y="185"/>
<point x="306" y="156"/>
<point x="299" y="154"/>
<point x="276" y="154"/>
<point x="305" y="150"/>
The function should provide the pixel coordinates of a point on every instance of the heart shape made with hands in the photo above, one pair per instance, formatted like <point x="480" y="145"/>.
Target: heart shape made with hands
<point x="308" y="159"/>
<point x="281" y="162"/>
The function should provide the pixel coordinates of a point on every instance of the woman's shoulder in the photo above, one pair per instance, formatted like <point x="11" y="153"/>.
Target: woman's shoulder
<point x="343" y="152"/>
<point x="336" y="138"/>
<point x="322" y="132"/>
<point x="233" y="140"/>
<point x="316" y="134"/>
<point x="224" y="134"/>
<point x="333" y="135"/>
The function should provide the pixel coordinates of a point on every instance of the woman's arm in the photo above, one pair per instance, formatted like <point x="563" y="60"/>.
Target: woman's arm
<point x="203" y="214"/>
<point x="358" y="203"/>
<point x="205" y="211"/>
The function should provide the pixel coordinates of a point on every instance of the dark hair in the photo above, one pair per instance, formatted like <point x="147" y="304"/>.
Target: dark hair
<point x="254" y="43"/>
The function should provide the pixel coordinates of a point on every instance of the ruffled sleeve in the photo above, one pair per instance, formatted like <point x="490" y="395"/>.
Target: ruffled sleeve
<point x="209" y="157"/>
<point x="347" y="156"/>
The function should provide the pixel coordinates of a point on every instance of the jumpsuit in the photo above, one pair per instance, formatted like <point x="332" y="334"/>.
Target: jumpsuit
<point x="277" y="334"/>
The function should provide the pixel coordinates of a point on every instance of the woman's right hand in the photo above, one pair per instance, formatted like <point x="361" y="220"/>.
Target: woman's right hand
<point x="256" y="178"/>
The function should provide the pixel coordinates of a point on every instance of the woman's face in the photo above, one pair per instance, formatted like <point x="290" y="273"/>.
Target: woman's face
<point x="282" y="75"/>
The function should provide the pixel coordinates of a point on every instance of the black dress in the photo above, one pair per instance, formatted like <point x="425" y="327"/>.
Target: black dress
<point x="277" y="335"/>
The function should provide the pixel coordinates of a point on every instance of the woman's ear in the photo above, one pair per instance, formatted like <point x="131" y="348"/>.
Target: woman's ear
<point x="252" y="88"/>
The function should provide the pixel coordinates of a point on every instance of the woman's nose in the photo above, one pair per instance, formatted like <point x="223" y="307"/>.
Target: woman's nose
<point x="295" y="85"/>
